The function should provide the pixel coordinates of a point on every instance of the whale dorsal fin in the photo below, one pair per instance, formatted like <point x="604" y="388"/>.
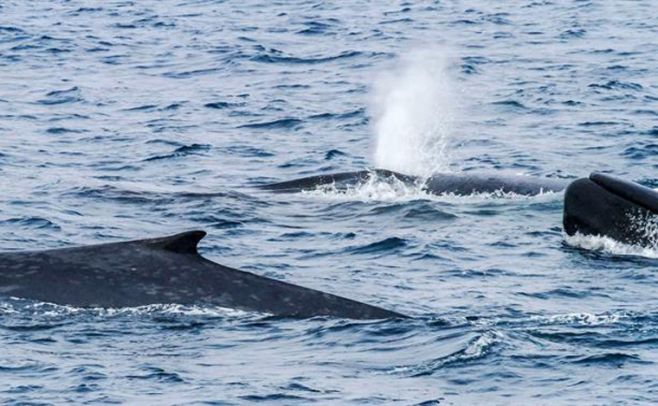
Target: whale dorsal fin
<point x="183" y="243"/>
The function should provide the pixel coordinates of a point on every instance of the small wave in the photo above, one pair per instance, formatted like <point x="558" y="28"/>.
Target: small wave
<point x="146" y="107"/>
<point x="315" y="28"/>
<point x="338" y="116"/>
<point x="473" y="347"/>
<point x="384" y="246"/>
<point x="136" y="193"/>
<point x="512" y="104"/>
<point x="616" y="84"/>
<point x="274" y="397"/>
<point x="63" y="130"/>
<point x="641" y="152"/>
<point x="609" y="246"/>
<point x="463" y="21"/>
<point x="158" y="374"/>
<point x="31" y="327"/>
<point x="183" y="151"/>
<point x="306" y="61"/>
<point x="30" y="366"/>
<point x="597" y="123"/>
<point x="616" y="359"/>
<point x="247" y="151"/>
<point x="6" y="28"/>
<point x="284" y="123"/>
<point x="560" y="292"/>
<point x="573" y="33"/>
<point x="334" y="153"/>
<point x="191" y="73"/>
<point x="32" y="222"/>
<point x="85" y="10"/>
<point x="222" y="105"/>
<point x="71" y="95"/>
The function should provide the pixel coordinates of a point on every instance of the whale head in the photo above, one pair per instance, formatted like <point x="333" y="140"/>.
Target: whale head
<point x="607" y="206"/>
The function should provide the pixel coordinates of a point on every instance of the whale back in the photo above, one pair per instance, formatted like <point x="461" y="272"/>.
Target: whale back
<point x="464" y="184"/>
<point x="441" y="183"/>
<point x="161" y="270"/>
<point x="340" y="181"/>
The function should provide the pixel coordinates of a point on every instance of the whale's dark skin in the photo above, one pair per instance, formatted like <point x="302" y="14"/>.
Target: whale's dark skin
<point x="607" y="206"/>
<point x="162" y="270"/>
<point x="440" y="183"/>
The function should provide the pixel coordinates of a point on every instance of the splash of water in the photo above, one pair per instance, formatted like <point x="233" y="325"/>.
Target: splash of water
<point x="609" y="246"/>
<point x="647" y="226"/>
<point x="413" y="112"/>
<point x="17" y="305"/>
<point x="374" y="188"/>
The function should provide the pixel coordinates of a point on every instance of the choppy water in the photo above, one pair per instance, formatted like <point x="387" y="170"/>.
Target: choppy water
<point x="133" y="119"/>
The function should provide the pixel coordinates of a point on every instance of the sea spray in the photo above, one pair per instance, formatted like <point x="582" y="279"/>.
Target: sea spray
<point x="609" y="246"/>
<point x="413" y="111"/>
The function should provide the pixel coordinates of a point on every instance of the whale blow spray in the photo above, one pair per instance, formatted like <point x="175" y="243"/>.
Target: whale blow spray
<point x="413" y="115"/>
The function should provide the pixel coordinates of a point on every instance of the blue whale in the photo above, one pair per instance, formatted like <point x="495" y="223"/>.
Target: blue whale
<point x="439" y="183"/>
<point x="158" y="271"/>
<point x="603" y="205"/>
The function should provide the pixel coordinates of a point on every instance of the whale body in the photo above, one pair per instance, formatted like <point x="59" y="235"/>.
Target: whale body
<point x="439" y="183"/>
<point x="603" y="205"/>
<point x="159" y="271"/>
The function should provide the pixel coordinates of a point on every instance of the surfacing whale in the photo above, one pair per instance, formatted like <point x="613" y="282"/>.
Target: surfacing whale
<point x="440" y="183"/>
<point x="159" y="271"/>
<point x="604" y="205"/>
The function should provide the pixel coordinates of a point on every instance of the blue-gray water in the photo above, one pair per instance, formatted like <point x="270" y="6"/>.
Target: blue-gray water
<point x="125" y="120"/>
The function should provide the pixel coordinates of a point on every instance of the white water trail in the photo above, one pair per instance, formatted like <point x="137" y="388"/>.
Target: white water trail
<point x="413" y="110"/>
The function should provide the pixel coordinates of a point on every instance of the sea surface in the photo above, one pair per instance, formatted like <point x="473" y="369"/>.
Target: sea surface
<point x="132" y="119"/>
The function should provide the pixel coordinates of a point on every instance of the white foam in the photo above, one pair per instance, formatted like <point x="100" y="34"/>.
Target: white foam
<point x="414" y="114"/>
<point x="609" y="246"/>
<point x="479" y="347"/>
<point x="55" y="310"/>
<point x="374" y="189"/>
<point x="647" y="226"/>
<point x="581" y="319"/>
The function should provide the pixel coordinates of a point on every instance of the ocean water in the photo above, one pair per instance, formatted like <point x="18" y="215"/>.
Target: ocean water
<point x="122" y="120"/>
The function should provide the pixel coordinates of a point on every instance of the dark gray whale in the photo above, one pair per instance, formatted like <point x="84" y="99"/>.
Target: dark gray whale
<point x="440" y="183"/>
<point x="162" y="270"/>
<point x="607" y="206"/>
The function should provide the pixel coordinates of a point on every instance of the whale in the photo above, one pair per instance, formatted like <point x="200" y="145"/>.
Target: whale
<point x="165" y="270"/>
<point x="460" y="184"/>
<point x="604" y="205"/>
